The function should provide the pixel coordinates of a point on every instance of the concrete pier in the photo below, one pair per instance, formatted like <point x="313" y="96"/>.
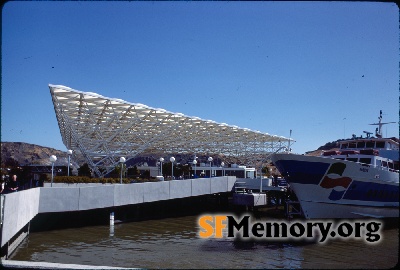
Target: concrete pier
<point x="46" y="265"/>
<point x="19" y="208"/>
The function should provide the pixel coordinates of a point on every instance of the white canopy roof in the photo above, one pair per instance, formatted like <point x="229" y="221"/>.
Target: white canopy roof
<point x="103" y="129"/>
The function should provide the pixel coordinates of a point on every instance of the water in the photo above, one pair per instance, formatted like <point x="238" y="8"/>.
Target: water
<point x="173" y="243"/>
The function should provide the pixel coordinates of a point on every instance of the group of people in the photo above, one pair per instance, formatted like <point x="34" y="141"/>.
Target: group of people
<point x="10" y="186"/>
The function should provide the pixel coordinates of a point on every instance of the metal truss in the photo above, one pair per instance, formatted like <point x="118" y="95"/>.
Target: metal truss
<point x="104" y="129"/>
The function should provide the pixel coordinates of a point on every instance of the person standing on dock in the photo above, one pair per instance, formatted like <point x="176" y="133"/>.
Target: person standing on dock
<point x="13" y="184"/>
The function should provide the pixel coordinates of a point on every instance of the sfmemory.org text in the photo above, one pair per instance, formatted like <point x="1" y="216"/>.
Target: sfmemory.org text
<point x="220" y="226"/>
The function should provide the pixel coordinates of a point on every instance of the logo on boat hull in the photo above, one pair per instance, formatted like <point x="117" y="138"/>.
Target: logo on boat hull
<point x="333" y="178"/>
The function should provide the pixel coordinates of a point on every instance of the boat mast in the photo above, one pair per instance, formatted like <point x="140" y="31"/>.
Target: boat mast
<point x="378" y="130"/>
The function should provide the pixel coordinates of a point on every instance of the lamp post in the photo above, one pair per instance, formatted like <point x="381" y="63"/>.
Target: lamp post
<point x="194" y="163"/>
<point x="223" y="169"/>
<point x="122" y="161"/>
<point x="161" y="161"/>
<point x="69" y="152"/>
<point x="261" y="177"/>
<point x="53" y="159"/>
<point x="210" y="159"/>
<point x="172" y="159"/>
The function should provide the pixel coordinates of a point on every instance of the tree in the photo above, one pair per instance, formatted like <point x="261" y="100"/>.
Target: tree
<point x="85" y="170"/>
<point x="182" y="170"/>
<point x="166" y="168"/>
<point x="133" y="171"/>
<point x="118" y="169"/>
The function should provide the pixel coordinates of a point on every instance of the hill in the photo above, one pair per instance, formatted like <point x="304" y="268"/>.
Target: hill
<point x="26" y="154"/>
<point x="328" y="146"/>
<point x="22" y="154"/>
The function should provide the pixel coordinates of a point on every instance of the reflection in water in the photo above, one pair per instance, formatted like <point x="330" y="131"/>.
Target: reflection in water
<point x="173" y="243"/>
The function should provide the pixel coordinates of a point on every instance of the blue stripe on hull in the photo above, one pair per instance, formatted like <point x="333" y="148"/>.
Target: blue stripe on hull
<point x="368" y="191"/>
<point x="302" y="172"/>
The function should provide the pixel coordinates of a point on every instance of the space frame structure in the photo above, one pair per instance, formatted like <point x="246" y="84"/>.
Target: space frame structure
<point x="104" y="129"/>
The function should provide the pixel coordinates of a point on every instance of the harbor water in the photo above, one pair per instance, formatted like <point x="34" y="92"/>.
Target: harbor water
<point x="174" y="243"/>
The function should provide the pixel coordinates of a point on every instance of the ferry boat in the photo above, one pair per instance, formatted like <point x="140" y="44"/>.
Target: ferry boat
<point x="359" y="180"/>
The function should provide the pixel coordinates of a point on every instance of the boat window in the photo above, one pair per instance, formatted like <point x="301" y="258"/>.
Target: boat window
<point x="378" y="163"/>
<point x="390" y="165"/>
<point x="344" y="146"/>
<point x="352" y="159"/>
<point x="360" y="144"/>
<point x="365" y="160"/>
<point x="352" y="145"/>
<point x="384" y="163"/>
<point x="370" y="144"/>
<point x="396" y="165"/>
<point x="380" y="144"/>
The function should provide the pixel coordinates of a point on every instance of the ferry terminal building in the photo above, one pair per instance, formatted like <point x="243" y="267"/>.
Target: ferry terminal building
<point x="102" y="130"/>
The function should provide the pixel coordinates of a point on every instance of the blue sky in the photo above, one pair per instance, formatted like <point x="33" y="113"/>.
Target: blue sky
<point x="322" y="69"/>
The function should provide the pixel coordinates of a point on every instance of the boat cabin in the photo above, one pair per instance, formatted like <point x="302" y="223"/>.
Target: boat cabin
<point x="378" y="143"/>
<point x="382" y="153"/>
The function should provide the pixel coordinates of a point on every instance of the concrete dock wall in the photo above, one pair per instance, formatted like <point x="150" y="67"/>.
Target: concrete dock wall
<point x="60" y="199"/>
<point x="18" y="209"/>
<point x="21" y="207"/>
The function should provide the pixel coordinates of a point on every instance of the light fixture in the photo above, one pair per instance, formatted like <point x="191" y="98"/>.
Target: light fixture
<point x="172" y="159"/>
<point x="122" y="161"/>
<point x="161" y="161"/>
<point x="53" y="159"/>
<point x="210" y="159"/>
<point x="69" y="152"/>
<point x="194" y="163"/>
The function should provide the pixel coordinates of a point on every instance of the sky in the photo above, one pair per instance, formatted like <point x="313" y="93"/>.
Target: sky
<point x="320" y="69"/>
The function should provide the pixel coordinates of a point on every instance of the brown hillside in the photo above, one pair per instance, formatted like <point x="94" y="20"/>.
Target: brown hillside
<point x="27" y="154"/>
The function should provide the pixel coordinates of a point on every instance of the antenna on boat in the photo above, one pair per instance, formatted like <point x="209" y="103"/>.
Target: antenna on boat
<point x="378" y="130"/>
<point x="290" y="135"/>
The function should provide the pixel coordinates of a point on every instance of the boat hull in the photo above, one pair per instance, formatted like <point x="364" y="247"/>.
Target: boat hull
<point x="319" y="210"/>
<point x="331" y="188"/>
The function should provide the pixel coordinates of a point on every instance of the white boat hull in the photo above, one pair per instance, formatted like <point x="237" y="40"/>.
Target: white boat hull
<point x="317" y="210"/>
<point x="331" y="188"/>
